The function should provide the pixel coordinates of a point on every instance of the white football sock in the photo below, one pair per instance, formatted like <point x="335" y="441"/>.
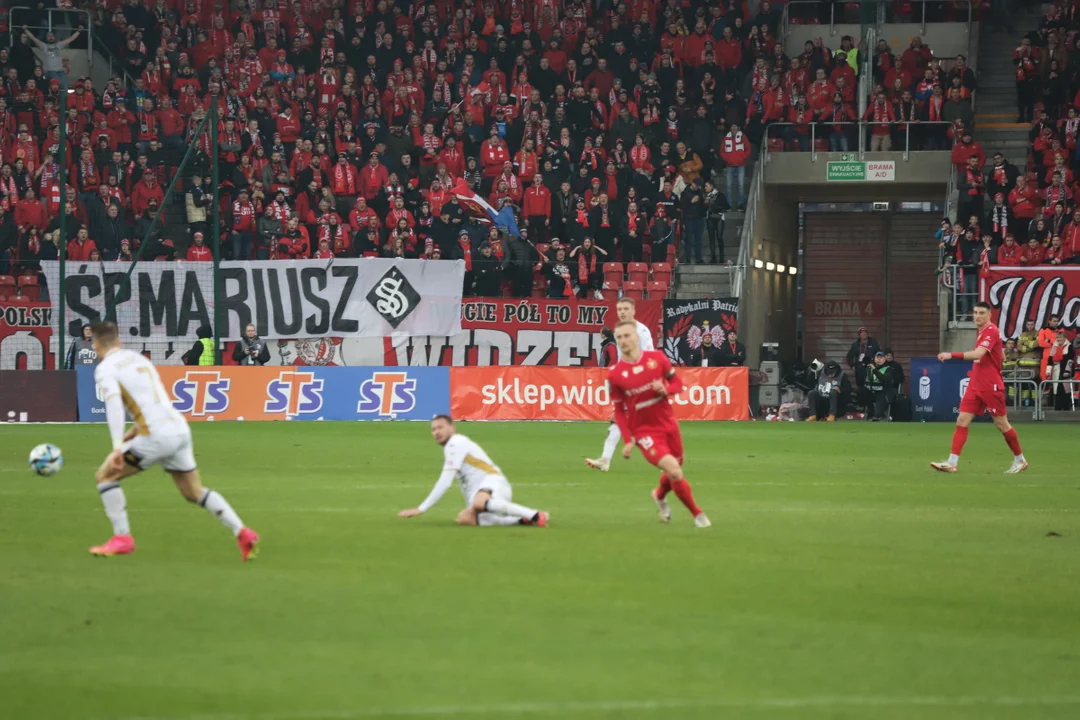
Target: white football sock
<point x="503" y="507"/>
<point x="954" y="459"/>
<point x="112" y="497"/>
<point x="486" y="519"/>
<point x="220" y="508"/>
<point x="611" y="443"/>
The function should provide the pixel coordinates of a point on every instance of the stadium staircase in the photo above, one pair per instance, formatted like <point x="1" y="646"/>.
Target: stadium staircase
<point x="995" y="101"/>
<point x="715" y="281"/>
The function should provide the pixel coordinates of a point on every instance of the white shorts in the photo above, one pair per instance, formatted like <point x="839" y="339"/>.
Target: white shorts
<point x="174" y="452"/>
<point x="497" y="485"/>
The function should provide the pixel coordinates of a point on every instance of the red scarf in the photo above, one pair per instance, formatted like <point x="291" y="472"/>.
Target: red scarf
<point x="881" y="112"/>
<point x="344" y="181"/>
<point x="585" y="267"/>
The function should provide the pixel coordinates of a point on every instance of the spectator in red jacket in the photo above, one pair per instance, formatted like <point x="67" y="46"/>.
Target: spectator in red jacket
<point x="1032" y="254"/>
<point x="243" y="226"/>
<point x="493" y="154"/>
<point x="881" y="113"/>
<point x="144" y="190"/>
<point x="965" y="149"/>
<point x="916" y="57"/>
<point x="1022" y="200"/>
<point x="373" y="177"/>
<point x="198" y="252"/>
<point x="1009" y="253"/>
<point x="735" y="152"/>
<point x="30" y="212"/>
<point x="537" y="209"/>
<point x="81" y="246"/>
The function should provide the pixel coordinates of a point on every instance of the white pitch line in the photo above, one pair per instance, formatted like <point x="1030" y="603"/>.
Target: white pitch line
<point x="556" y="708"/>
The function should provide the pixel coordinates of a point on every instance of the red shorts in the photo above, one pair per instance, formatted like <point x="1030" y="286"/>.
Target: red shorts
<point x="978" y="402"/>
<point x="655" y="443"/>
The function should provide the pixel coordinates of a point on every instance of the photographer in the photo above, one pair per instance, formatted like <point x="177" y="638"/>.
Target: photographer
<point x="829" y="396"/>
<point x="251" y="350"/>
<point x="881" y="385"/>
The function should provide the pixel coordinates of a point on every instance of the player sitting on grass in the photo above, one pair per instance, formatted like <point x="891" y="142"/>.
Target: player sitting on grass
<point x="486" y="490"/>
<point x="159" y="434"/>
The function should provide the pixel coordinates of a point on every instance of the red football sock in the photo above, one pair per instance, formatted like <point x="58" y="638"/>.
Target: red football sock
<point x="959" y="437"/>
<point x="1014" y="441"/>
<point x="665" y="486"/>
<point x="682" y="490"/>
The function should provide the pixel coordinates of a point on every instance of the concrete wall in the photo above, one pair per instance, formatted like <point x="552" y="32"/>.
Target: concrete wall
<point x="947" y="40"/>
<point x="798" y="168"/>
<point x="767" y="305"/>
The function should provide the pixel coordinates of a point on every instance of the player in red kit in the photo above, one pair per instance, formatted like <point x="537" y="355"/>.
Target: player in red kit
<point x="985" y="392"/>
<point x="641" y="383"/>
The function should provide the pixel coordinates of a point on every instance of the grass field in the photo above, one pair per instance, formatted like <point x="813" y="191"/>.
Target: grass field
<point x="842" y="579"/>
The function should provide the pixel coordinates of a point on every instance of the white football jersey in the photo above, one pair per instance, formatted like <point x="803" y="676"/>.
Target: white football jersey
<point x="645" y="337"/>
<point x="471" y="463"/>
<point x="130" y="375"/>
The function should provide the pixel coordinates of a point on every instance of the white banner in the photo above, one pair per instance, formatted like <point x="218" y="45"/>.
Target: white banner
<point x="369" y="297"/>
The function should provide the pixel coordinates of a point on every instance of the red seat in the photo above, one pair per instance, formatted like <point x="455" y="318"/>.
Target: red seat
<point x="646" y="251"/>
<point x="539" y="293"/>
<point x="671" y="255"/>
<point x="31" y="292"/>
<point x="657" y="290"/>
<point x="633" y="289"/>
<point x="638" y="272"/>
<point x="821" y="144"/>
<point x="543" y="248"/>
<point x="610" y="287"/>
<point x="24" y="280"/>
<point x="613" y="272"/>
<point x="777" y="144"/>
<point x="661" y="272"/>
<point x="7" y="285"/>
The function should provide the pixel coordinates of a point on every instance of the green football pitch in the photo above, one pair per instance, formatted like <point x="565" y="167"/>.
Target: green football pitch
<point x="842" y="578"/>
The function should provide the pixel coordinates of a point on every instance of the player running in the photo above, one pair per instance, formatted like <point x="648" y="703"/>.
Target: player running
<point x="640" y="384"/>
<point x="625" y="309"/>
<point x="985" y="393"/>
<point x="486" y="490"/>
<point x="159" y="434"/>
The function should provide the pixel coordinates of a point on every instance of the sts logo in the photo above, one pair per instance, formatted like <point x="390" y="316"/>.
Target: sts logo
<point x="386" y="394"/>
<point x="964" y="386"/>
<point x="924" y="386"/>
<point x="201" y="392"/>
<point x="293" y="393"/>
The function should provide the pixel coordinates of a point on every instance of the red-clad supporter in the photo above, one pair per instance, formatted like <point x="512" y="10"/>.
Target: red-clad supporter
<point x="80" y="247"/>
<point x="198" y="252"/>
<point x="1010" y="252"/>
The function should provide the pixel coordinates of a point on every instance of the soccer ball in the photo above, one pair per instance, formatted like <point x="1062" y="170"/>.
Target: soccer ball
<point x="46" y="459"/>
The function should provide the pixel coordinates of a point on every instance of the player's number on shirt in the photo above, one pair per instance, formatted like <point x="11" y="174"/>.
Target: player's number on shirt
<point x="646" y="443"/>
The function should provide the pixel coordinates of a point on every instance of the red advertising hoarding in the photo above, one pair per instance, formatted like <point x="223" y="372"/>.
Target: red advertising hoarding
<point x="549" y="393"/>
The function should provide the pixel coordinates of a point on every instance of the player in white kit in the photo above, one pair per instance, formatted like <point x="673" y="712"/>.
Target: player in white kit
<point x="128" y="382"/>
<point x="487" y="493"/>
<point x="625" y="309"/>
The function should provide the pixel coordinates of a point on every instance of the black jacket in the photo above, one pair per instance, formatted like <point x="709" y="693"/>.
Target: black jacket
<point x="872" y="348"/>
<point x="706" y="355"/>
<point x="732" y="358"/>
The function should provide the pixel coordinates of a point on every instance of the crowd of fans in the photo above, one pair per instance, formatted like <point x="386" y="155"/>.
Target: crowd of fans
<point x="1023" y="215"/>
<point x="351" y="129"/>
<point x="914" y="101"/>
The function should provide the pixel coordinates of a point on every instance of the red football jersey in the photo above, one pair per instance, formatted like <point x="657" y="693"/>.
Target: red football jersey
<point x="637" y="405"/>
<point x="986" y="372"/>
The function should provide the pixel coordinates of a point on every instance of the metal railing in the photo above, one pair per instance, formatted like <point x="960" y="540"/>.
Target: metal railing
<point x="963" y="281"/>
<point x="819" y="10"/>
<point x="843" y="142"/>
<point x="937" y="13"/>
<point x="746" y="238"/>
<point x="1049" y="388"/>
<point x="1014" y="391"/>
<point x="82" y="17"/>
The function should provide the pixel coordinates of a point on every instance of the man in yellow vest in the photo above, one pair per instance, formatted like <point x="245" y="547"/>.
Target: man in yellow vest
<point x="203" y="351"/>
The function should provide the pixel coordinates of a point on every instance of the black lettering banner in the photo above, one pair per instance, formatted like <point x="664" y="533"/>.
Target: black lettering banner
<point x="368" y="297"/>
<point x="687" y="322"/>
